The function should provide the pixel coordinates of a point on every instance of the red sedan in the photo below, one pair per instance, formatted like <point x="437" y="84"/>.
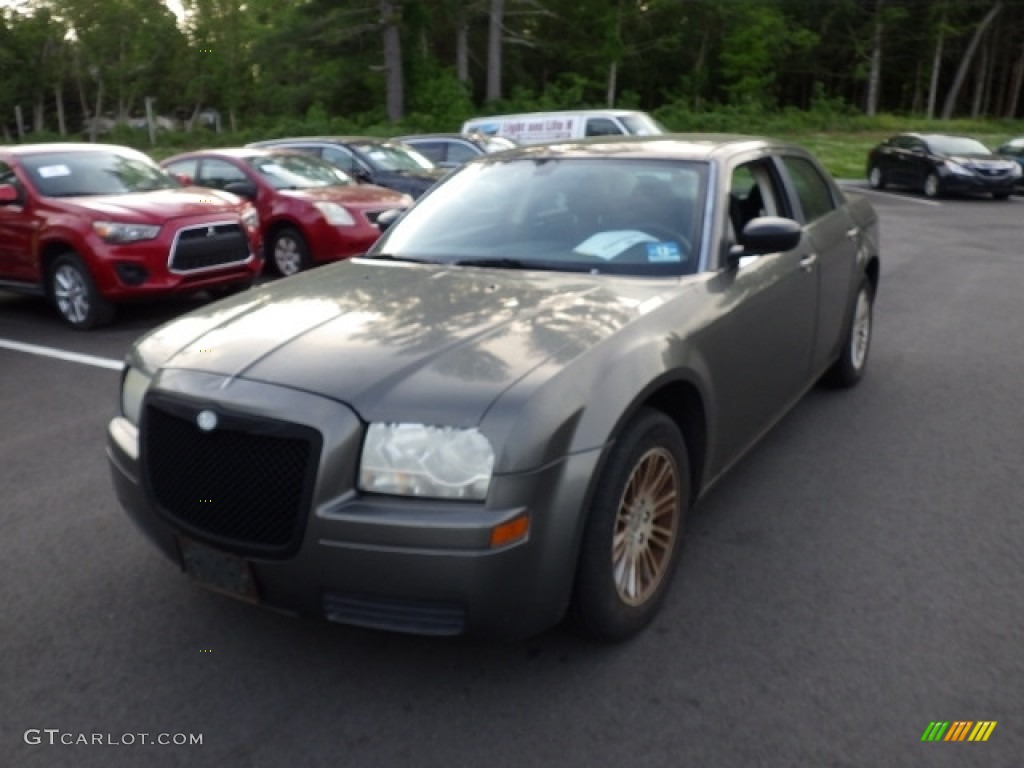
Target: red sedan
<point x="310" y="211"/>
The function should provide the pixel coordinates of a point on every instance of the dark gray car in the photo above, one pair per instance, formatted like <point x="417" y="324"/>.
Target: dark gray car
<point x="504" y="412"/>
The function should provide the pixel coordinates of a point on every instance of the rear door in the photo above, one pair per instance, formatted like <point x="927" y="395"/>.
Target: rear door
<point x="834" y="239"/>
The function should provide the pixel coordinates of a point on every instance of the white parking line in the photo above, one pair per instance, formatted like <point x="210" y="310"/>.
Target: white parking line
<point x="895" y="196"/>
<point x="60" y="354"/>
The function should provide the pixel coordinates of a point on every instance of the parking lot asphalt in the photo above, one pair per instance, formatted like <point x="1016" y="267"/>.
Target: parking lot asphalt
<point x="859" y="575"/>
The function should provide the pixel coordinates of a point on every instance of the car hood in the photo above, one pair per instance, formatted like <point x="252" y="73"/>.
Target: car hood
<point x="401" y="342"/>
<point x="361" y="195"/>
<point x="159" y="205"/>
<point x="979" y="159"/>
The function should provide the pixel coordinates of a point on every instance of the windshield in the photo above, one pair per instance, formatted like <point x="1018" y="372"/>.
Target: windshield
<point x="601" y="214"/>
<point x="393" y="157"/>
<point x="640" y="124"/>
<point x="95" y="172"/>
<point x="957" y="145"/>
<point x="298" y="171"/>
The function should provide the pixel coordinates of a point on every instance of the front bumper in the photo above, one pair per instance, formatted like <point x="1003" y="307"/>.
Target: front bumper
<point x="959" y="183"/>
<point x="400" y="564"/>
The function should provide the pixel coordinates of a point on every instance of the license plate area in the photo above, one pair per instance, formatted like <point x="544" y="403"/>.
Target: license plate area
<point x="222" y="572"/>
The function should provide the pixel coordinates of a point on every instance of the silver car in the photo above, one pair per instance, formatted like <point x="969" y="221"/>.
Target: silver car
<point x="503" y="413"/>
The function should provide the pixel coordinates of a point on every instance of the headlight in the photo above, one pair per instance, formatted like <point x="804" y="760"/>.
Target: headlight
<point x="133" y="389"/>
<point x="1016" y="170"/>
<point x="119" y="232"/>
<point x="250" y="219"/>
<point x="958" y="169"/>
<point x="335" y="214"/>
<point x="434" y="462"/>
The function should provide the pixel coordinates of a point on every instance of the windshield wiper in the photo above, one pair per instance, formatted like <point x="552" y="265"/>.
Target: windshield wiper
<point x="508" y="263"/>
<point x="397" y="257"/>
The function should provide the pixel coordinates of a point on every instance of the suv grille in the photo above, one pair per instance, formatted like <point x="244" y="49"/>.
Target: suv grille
<point x="208" y="246"/>
<point x="245" y="485"/>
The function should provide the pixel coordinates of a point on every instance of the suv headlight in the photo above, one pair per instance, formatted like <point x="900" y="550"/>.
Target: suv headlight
<point x="133" y="389"/>
<point x="335" y="214"/>
<point x="432" y="462"/>
<point x="121" y="232"/>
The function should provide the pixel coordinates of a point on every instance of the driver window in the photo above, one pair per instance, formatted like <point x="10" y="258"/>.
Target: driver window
<point x="752" y="193"/>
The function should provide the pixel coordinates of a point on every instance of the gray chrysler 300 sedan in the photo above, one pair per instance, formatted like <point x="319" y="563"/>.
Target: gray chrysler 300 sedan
<point x="503" y="413"/>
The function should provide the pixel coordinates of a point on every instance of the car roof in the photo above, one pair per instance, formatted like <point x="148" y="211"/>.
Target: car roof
<point x="322" y="140"/>
<point x="235" y="152"/>
<point x="461" y="136"/>
<point x="677" y="146"/>
<point x="68" y="146"/>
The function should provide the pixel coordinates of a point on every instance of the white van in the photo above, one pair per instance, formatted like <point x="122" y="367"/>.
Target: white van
<point x="535" y="127"/>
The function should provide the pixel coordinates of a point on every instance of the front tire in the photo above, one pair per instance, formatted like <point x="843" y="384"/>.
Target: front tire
<point x="933" y="186"/>
<point x="634" y="532"/>
<point x="289" y="253"/>
<point x="74" y="294"/>
<point x="876" y="179"/>
<point x="853" y="355"/>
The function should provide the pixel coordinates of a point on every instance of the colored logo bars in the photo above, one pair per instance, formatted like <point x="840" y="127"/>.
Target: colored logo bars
<point x="959" y="730"/>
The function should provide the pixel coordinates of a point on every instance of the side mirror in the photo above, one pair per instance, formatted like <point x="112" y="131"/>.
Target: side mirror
<point x="241" y="188"/>
<point x="388" y="217"/>
<point x="768" y="234"/>
<point x="8" y="194"/>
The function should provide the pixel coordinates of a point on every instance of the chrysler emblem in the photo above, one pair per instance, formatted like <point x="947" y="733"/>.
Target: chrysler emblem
<point x="206" y="421"/>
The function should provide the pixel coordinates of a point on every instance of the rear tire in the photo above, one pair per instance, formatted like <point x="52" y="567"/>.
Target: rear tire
<point x="74" y="294"/>
<point x="853" y="355"/>
<point x="634" y="531"/>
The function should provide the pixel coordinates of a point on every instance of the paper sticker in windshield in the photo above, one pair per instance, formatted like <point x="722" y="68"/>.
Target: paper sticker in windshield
<point x="273" y="168"/>
<point x="53" y="171"/>
<point x="664" y="252"/>
<point x="608" y="245"/>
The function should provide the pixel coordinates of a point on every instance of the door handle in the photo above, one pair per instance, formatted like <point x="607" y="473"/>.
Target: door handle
<point x="852" y="232"/>
<point x="807" y="262"/>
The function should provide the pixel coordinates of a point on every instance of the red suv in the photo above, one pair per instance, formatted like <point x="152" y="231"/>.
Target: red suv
<point x="311" y="212"/>
<point x="88" y="225"/>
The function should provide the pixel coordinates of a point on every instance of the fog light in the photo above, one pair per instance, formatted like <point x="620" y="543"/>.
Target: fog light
<point x="131" y="274"/>
<point x="510" y="532"/>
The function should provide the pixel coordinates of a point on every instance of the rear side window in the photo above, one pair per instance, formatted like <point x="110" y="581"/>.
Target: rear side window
<point x="460" y="153"/>
<point x="603" y="126"/>
<point x="218" y="174"/>
<point x="432" y="150"/>
<point x="812" y="189"/>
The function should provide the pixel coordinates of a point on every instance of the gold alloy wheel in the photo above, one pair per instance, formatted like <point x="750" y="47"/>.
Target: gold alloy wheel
<point x="646" y="527"/>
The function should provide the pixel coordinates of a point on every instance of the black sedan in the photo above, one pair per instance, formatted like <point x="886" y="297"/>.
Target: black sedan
<point x="496" y="419"/>
<point x="386" y="163"/>
<point x="1014" y="149"/>
<point x="939" y="164"/>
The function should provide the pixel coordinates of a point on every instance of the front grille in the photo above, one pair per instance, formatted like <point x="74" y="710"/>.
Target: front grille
<point x="419" y="617"/>
<point x="245" y="485"/>
<point x="208" y="246"/>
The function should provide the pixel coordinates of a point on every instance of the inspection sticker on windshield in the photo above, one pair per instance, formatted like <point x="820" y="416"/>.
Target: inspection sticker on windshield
<point x="53" y="171"/>
<point x="608" y="245"/>
<point x="663" y="253"/>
